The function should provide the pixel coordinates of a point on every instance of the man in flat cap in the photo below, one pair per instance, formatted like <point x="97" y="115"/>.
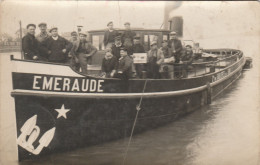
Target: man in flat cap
<point x="73" y="61"/>
<point x="30" y="44"/>
<point x="117" y="46"/>
<point x="175" y="45"/>
<point x="42" y="40"/>
<point x="110" y="34"/>
<point x="56" y="46"/>
<point x="167" y="66"/>
<point x="128" y="34"/>
<point x="43" y="34"/>
<point x="138" y="48"/>
<point x="83" y="51"/>
<point x="155" y="58"/>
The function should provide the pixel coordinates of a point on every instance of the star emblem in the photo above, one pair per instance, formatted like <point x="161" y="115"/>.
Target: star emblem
<point x="62" y="112"/>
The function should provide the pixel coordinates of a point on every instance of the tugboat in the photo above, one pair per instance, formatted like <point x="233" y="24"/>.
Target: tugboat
<point x="59" y="109"/>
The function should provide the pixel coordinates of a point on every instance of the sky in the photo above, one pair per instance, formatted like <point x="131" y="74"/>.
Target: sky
<point x="66" y="15"/>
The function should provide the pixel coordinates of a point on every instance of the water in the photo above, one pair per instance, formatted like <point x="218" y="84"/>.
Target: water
<point x="223" y="133"/>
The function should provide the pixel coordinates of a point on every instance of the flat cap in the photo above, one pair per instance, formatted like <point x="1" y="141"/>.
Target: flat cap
<point x="153" y="43"/>
<point x="109" y="23"/>
<point x="30" y="25"/>
<point x="173" y="33"/>
<point x="83" y="33"/>
<point x="42" y="24"/>
<point x="127" y="23"/>
<point x="188" y="46"/>
<point x="53" y="28"/>
<point x="74" y="33"/>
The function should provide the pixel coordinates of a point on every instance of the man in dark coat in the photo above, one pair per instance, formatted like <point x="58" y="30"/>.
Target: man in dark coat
<point x="186" y="59"/>
<point x="167" y="71"/>
<point x="109" y="36"/>
<point x="73" y="61"/>
<point x="56" y="46"/>
<point x="138" y="48"/>
<point x="176" y="46"/>
<point x="41" y="38"/>
<point x="128" y="34"/>
<point x="109" y="65"/>
<point x="83" y="51"/>
<point x="125" y="65"/>
<point x="116" y="47"/>
<point x="30" y="44"/>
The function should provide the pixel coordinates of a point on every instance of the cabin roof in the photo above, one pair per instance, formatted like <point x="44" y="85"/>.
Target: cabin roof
<point x="134" y="29"/>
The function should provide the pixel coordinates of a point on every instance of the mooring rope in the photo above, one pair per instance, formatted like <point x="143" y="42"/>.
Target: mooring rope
<point x="136" y="116"/>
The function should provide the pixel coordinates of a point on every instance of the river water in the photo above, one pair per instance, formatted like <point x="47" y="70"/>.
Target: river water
<point x="223" y="133"/>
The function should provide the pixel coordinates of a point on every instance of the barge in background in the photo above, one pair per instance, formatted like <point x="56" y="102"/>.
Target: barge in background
<point x="58" y="109"/>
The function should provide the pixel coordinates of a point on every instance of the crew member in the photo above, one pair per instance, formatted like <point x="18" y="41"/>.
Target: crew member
<point x="30" y="44"/>
<point x="42" y="37"/>
<point x="155" y="58"/>
<point x="175" y="46"/>
<point x="43" y="34"/>
<point x="125" y="65"/>
<point x="186" y="59"/>
<point x="138" y="48"/>
<point x="128" y="34"/>
<point x="56" y="46"/>
<point x="109" y="65"/>
<point x="167" y="66"/>
<point x="83" y="50"/>
<point x="109" y="36"/>
<point x="73" y="60"/>
<point x="117" y="46"/>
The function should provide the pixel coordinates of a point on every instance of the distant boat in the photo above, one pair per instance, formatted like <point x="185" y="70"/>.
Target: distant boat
<point x="58" y="109"/>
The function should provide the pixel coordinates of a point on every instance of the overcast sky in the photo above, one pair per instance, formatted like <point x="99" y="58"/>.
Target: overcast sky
<point x="200" y="18"/>
<point x="92" y="15"/>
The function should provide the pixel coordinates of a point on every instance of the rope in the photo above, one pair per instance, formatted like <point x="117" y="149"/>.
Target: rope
<point x="136" y="116"/>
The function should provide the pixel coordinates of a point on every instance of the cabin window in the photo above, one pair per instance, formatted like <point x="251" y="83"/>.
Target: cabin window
<point x="148" y="38"/>
<point x="97" y="41"/>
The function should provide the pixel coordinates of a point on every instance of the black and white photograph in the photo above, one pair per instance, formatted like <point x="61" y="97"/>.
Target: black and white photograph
<point x="129" y="82"/>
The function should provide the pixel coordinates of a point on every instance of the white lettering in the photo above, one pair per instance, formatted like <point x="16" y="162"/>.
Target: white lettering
<point x="56" y="83"/>
<point x="47" y="85"/>
<point x="66" y="84"/>
<point x="93" y="85"/>
<point x="85" y="85"/>
<point x="75" y="85"/>
<point x="99" y="85"/>
<point x="35" y="82"/>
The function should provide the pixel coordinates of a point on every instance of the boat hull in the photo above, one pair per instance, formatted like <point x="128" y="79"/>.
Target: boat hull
<point x="60" y="121"/>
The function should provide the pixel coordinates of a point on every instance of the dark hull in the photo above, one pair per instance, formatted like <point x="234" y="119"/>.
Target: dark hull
<point x="100" y="118"/>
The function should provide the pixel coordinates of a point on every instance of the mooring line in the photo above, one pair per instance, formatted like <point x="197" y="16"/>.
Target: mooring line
<point x="136" y="116"/>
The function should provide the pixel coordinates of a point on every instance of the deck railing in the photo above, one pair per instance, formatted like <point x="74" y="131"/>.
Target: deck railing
<point x="225" y="58"/>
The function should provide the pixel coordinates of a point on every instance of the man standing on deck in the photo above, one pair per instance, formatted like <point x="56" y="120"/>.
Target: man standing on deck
<point x="167" y="67"/>
<point x="138" y="48"/>
<point x="109" y="36"/>
<point x="128" y="34"/>
<point x="73" y="61"/>
<point x="176" y="46"/>
<point x="56" y="46"/>
<point x="41" y="38"/>
<point x="30" y="44"/>
<point x="83" y="51"/>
